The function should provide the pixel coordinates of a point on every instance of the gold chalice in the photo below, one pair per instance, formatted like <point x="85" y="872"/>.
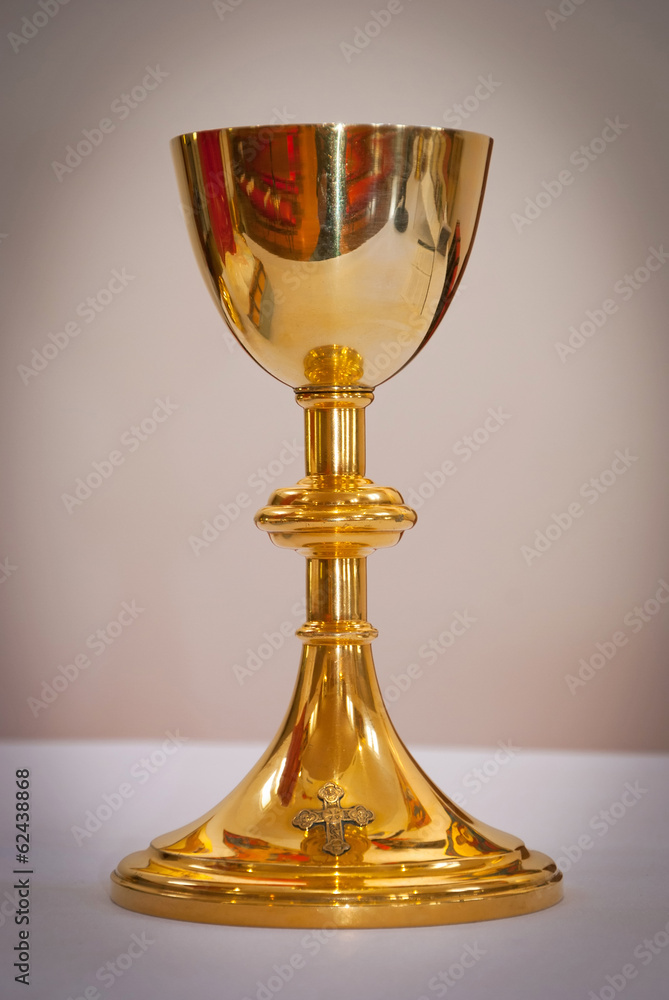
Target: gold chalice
<point x="333" y="252"/>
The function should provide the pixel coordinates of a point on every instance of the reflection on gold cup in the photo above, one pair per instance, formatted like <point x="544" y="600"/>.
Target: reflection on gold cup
<point x="333" y="252"/>
<point x="346" y="235"/>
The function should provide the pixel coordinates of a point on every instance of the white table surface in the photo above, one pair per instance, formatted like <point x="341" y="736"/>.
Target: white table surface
<point x="616" y="893"/>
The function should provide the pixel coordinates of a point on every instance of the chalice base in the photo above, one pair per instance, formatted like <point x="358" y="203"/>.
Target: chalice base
<point x="181" y="888"/>
<point x="419" y="860"/>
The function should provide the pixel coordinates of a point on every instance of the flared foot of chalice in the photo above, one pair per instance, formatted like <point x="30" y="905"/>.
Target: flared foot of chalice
<point x="333" y="252"/>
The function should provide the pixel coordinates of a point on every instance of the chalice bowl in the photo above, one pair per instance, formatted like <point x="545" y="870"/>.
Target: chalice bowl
<point x="332" y="252"/>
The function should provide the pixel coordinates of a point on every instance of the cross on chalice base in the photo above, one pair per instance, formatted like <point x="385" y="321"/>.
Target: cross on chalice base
<point x="333" y="817"/>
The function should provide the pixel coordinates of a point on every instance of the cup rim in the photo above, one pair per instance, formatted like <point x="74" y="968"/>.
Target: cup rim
<point x="278" y="128"/>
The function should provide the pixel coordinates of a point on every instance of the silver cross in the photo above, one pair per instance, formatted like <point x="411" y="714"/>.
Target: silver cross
<point x="333" y="816"/>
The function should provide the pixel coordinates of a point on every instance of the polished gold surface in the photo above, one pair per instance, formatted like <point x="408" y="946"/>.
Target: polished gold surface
<point x="333" y="250"/>
<point x="336" y="825"/>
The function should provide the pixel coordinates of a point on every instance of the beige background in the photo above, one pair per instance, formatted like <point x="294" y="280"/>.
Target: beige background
<point x="551" y="86"/>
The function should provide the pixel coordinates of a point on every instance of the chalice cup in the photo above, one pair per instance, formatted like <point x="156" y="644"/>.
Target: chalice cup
<point x="332" y="252"/>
